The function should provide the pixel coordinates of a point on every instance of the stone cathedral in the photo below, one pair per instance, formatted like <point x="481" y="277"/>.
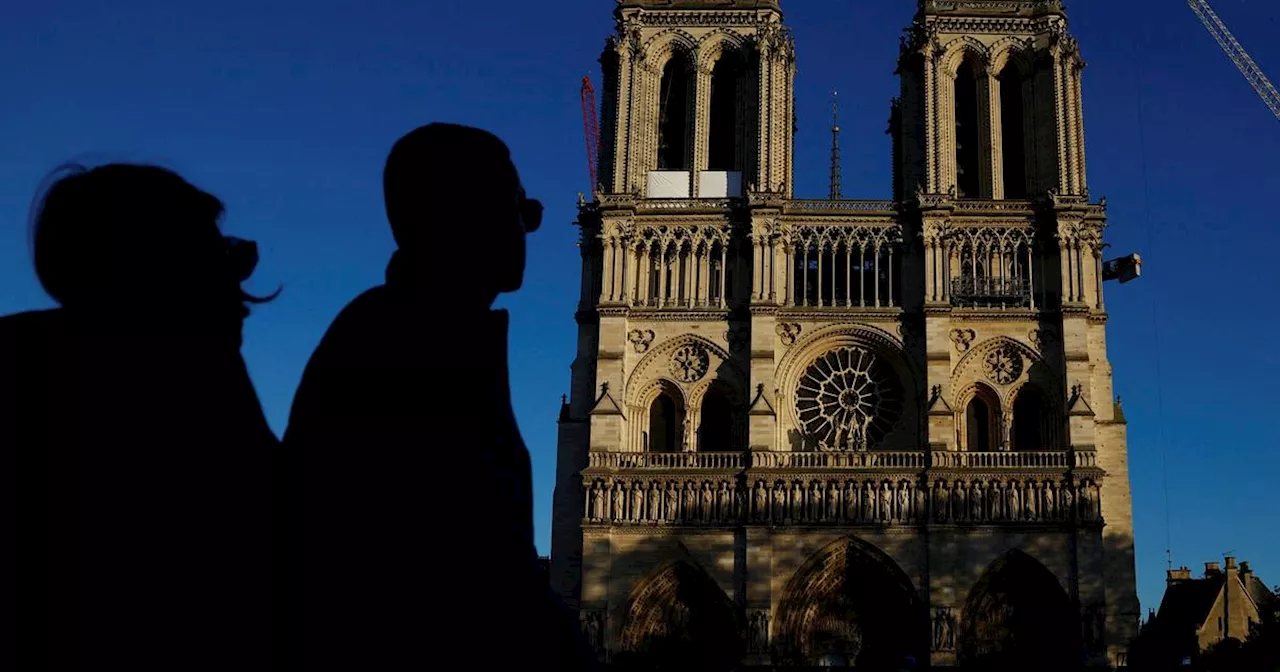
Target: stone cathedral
<point x="839" y="432"/>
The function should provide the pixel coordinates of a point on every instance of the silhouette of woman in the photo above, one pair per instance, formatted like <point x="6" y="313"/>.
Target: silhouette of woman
<point x="140" y="453"/>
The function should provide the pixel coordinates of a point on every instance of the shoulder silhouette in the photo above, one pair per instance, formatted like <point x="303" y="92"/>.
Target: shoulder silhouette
<point x="142" y="457"/>
<point x="406" y="470"/>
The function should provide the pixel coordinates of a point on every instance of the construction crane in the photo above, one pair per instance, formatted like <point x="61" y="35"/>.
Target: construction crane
<point x="591" y="127"/>
<point x="1237" y="54"/>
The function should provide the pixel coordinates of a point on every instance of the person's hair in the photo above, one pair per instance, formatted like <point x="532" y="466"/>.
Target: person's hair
<point x="94" y="226"/>
<point x="443" y="172"/>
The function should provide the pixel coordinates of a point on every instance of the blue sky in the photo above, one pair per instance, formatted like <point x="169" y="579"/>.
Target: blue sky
<point x="286" y="110"/>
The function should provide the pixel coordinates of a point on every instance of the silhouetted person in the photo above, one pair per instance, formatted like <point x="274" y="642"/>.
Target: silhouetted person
<point x="413" y="536"/>
<point x="138" y="449"/>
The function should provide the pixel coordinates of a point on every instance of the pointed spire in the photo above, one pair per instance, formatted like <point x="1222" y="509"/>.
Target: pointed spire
<point x="835" y="148"/>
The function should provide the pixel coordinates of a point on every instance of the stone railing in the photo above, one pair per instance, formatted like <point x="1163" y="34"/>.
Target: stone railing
<point x="1025" y="460"/>
<point x="722" y="461"/>
<point x="815" y="205"/>
<point x="910" y="460"/>
<point x="838" y="501"/>
<point x="677" y="204"/>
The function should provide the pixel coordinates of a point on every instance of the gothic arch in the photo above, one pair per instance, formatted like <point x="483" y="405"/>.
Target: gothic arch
<point x="717" y="44"/>
<point x="1047" y="425"/>
<point x="961" y="49"/>
<point x="1012" y="51"/>
<point x="662" y="47"/>
<point x="678" y="614"/>
<point x="797" y="363"/>
<point x="850" y="601"/>
<point x="1004" y="364"/>
<point x="657" y="371"/>
<point x="674" y="426"/>
<point x="1018" y="617"/>
<point x="980" y="422"/>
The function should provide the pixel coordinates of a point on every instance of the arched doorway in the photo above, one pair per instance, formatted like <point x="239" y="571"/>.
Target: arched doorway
<point x="851" y="606"/>
<point x="1018" y="617"/>
<point x="982" y="421"/>
<point x="666" y="422"/>
<point x="679" y="618"/>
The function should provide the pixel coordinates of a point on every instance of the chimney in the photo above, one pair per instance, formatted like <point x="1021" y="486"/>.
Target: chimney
<point x="1180" y="574"/>
<point x="1246" y="572"/>
<point x="1212" y="569"/>
<point x="1231" y="562"/>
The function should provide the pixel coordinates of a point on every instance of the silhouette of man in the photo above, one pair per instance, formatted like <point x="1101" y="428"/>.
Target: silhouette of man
<point x="140" y="456"/>
<point x="410" y="493"/>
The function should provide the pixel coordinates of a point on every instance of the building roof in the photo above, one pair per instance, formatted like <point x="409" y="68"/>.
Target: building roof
<point x="1258" y="592"/>
<point x="1001" y="8"/>
<point x="1187" y="602"/>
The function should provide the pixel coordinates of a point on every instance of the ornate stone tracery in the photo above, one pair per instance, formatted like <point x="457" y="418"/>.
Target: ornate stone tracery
<point x="848" y="399"/>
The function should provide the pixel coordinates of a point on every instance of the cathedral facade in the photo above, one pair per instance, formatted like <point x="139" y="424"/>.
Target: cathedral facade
<point x="844" y="432"/>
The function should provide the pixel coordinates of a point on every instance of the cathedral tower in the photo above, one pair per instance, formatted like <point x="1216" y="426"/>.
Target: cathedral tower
<point x="843" y="431"/>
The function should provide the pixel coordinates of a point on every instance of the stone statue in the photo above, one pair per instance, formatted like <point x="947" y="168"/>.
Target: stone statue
<point x="1030" y="499"/>
<point x="868" y="503"/>
<point x="885" y="503"/>
<point x="672" y="503"/>
<point x="813" y="512"/>
<point x="655" y="501"/>
<point x="958" y="508"/>
<point x="833" y="502"/>
<point x="1047" y="500"/>
<point x="637" y="502"/>
<point x="723" y="502"/>
<point x="1068" y="502"/>
<point x="939" y="503"/>
<point x="975" y="503"/>
<point x="850" y="501"/>
<point x="593" y="502"/>
<point x="708" y="503"/>
<point x="797" y="502"/>
<point x="994" y="502"/>
<point x="939" y="626"/>
<point x="949" y="633"/>
<point x="1012" y="510"/>
<point x="1086" y="503"/>
<point x="904" y="502"/>
<point x="690" y="502"/>
<point x="619" y="505"/>
<point x="762" y="502"/>
<point x="779" y="502"/>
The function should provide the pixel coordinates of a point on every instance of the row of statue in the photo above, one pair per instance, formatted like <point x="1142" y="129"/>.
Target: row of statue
<point x="832" y="502"/>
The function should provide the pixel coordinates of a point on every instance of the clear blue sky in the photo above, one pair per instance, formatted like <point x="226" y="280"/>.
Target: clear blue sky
<point x="286" y="110"/>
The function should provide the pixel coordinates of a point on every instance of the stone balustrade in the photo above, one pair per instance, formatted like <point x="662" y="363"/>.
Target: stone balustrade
<point x="1046" y="459"/>
<point x="717" y="461"/>
<point x="897" y="460"/>
<point x="622" y="501"/>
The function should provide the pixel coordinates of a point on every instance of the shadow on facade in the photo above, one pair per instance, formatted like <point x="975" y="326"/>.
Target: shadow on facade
<point x="1011" y="601"/>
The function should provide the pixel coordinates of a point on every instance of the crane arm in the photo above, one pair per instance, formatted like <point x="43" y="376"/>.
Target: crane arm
<point x="1257" y="79"/>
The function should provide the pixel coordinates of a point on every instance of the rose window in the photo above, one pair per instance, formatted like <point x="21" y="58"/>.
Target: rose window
<point x="848" y="399"/>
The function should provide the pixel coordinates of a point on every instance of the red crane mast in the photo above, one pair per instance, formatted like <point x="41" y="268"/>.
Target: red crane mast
<point x="591" y="128"/>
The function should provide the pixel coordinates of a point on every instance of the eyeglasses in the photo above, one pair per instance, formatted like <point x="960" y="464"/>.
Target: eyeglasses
<point x="530" y="213"/>
<point x="242" y="255"/>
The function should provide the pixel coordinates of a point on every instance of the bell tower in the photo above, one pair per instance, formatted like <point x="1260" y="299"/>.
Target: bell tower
<point x="696" y="107"/>
<point x="990" y="103"/>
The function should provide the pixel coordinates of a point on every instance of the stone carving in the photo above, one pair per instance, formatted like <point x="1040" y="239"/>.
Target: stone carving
<point x="689" y="363"/>
<point x="963" y="338"/>
<point x="848" y="399"/>
<point x="641" y="339"/>
<point x="1003" y="364"/>
<point x="788" y="332"/>
<point x="758" y="631"/>
<point x="593" y="630"/>
<point x="944" y="625"/>
<point x="843" y="501"/>
<point x="1042" y="338"/>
